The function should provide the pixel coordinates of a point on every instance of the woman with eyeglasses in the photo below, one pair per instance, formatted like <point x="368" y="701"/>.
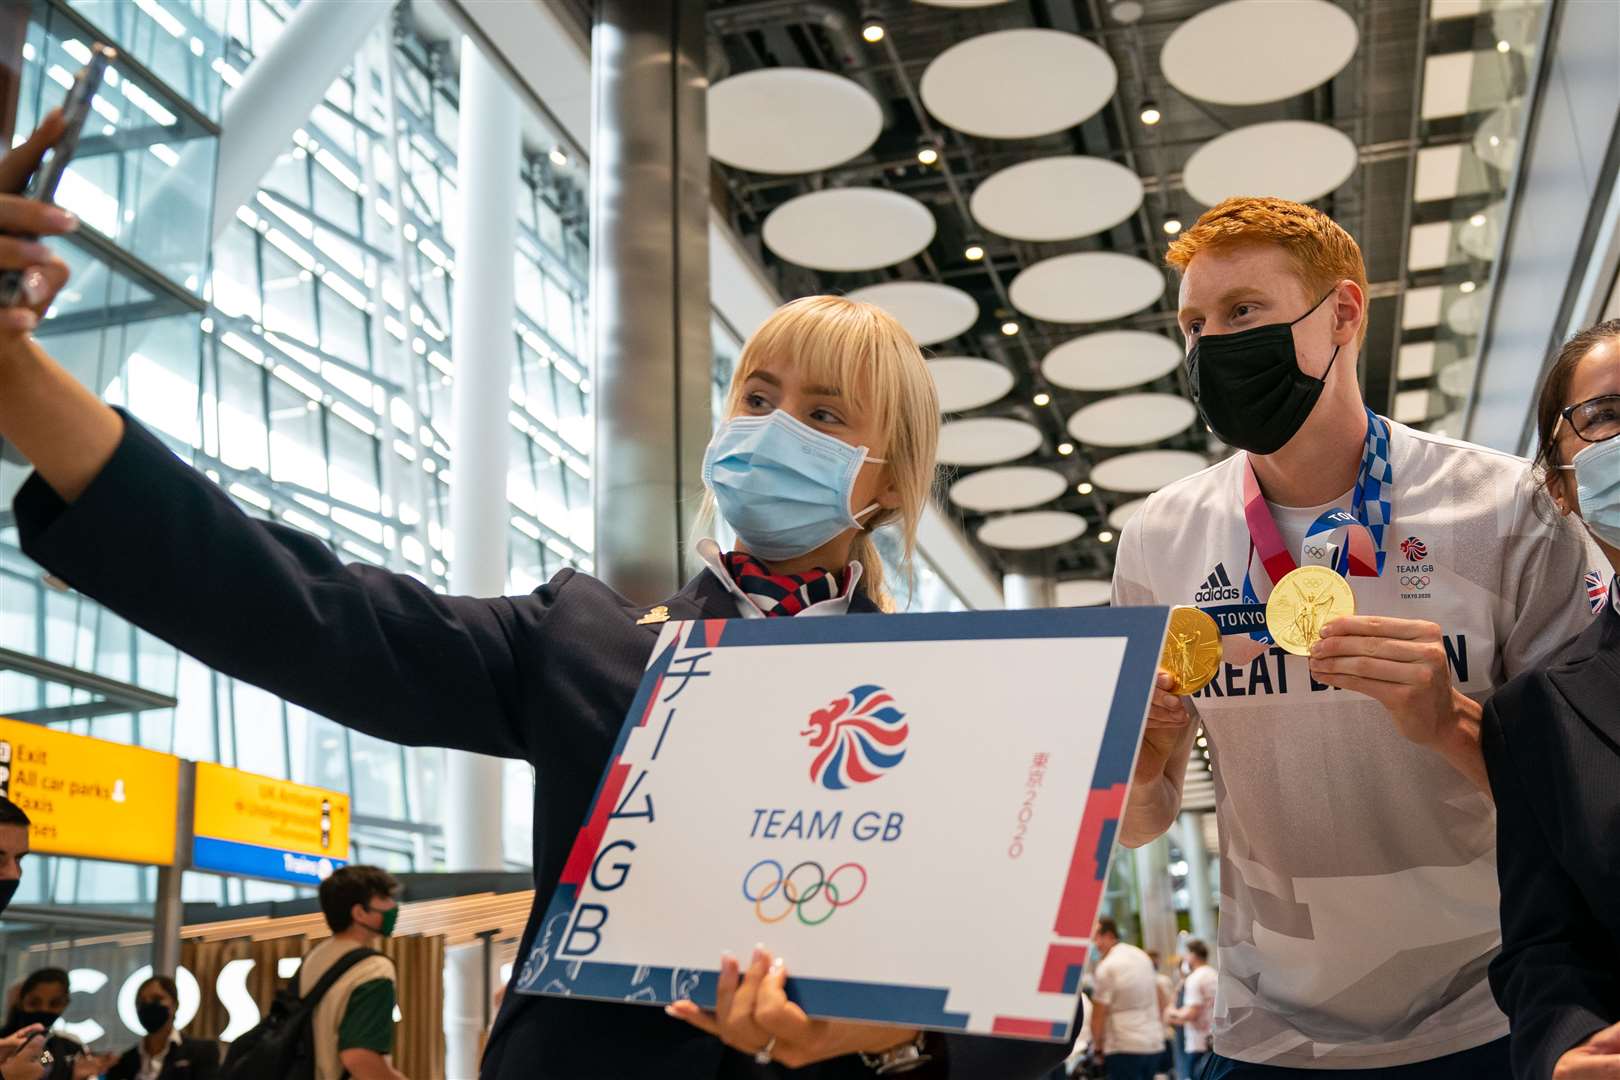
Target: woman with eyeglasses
<point x="1552" y="747"/>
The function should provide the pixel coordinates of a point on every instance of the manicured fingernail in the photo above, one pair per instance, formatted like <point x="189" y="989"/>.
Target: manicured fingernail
<point x="34" y="286"/>
<point x="63" y="219"/>
<point x="758" y="957"/>
<point x="778" y="964"/>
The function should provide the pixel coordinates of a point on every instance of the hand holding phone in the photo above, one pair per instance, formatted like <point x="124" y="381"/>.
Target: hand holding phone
<point x="47" y="175"/>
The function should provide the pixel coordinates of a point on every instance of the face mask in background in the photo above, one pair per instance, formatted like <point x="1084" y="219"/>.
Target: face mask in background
<point x="782" y="486"/>
<point x="20" y="1018"/>
<point x="390" y="919"/>
<point x="1597" y="487"/>
<point x="1249" y="388"/>
<point x="153" y="1015"/>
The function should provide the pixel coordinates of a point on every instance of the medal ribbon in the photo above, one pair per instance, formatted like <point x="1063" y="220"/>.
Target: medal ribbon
<point x="1351" y="542"/>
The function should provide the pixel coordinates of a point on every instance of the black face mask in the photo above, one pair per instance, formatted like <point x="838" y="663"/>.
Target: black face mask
<point x="20" y="1018"/>
<point x="152" y="1015"/>
<point x="8" y="889"/>
<point x="1249" y="388"/>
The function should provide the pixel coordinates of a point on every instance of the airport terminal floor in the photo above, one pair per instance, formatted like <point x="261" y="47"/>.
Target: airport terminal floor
<point x="721" y="539"/>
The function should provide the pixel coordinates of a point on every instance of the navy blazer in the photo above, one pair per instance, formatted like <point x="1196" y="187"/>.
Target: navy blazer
<point x="192" y="1059"/>
<point x="1552" y="746"/>
<point x="546" y="678"/>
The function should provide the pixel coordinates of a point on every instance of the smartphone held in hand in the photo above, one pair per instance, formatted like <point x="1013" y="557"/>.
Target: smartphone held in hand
<point x="43" y="183"/>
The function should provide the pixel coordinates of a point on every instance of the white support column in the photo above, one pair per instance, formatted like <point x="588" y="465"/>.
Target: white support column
<point x="1153" y="895"/>
<point x="1023" y="591"/>
<point x="1200" y="897"/>
<point x="482" y="311"/>
<point x="278" y="92"/>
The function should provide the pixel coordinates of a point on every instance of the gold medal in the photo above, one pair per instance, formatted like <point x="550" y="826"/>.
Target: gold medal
<point x="1303" y="602"/>
<point x="1192" y="650"/>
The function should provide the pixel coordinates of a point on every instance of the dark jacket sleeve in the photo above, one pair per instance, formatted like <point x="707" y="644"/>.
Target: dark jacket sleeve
<point x="1546" y="978"/>
<point x="162" y="546"/>
<point x="204" y="1055"/>
<point x="126" y="1067"/>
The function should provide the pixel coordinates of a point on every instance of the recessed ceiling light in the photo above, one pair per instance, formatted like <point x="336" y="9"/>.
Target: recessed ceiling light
<point x="1172" y="225"/>
<point x="1065" y="448"/>
<point x="558" y="158"/>
<point x="927" y="155"/>
<point x="1042" y="400"/>
<point x="1009" y="328"/>
<point x="1126" y="11"/>
<point x="1085" y="487"/>
<point x="1503" y="46"/>
<point x="1496" y="140"/>
<point x="872" y="30"/>
<point x="1466" y="287"/>
<point x="974" y="252"/>
<point x="1477" y="220"/>
<point x="1150" y="113"/>
<point x="1105" y="536"/>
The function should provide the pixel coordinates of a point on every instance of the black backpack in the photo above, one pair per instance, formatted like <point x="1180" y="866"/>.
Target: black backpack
<point x="282" y="1045"/>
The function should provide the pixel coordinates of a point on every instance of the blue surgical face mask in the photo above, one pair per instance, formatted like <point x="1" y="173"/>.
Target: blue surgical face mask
<point x="783" y="486"/>
<point x="1597" y="485"/>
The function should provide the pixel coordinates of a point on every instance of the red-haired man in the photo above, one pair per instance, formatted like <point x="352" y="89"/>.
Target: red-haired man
<point x="1358" y="879"/>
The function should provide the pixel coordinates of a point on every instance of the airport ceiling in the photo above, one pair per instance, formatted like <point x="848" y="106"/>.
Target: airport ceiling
<point x="985" y="170"/>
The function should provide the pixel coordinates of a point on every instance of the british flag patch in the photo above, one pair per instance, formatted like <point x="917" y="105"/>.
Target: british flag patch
<point x="1596" y="591"/>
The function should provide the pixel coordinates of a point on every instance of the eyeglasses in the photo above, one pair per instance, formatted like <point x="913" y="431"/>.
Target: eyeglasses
<point x="1593" y="420"/>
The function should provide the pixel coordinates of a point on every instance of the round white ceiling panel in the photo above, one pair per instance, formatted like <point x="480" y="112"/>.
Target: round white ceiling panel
<point x="1112" y="360"/>
<point x="930" y="312"/>
<point x="1145" y="470"/>
<point x="986" y="440"/>
<point x="1018" y="84"/>
<point x="1481" y="240"/>
<point x="1466" y="314"/>
<point x="1031" y="531"/>
<point x="1014" y="487"/>
<point x="1132" y="419"/>
<point x="1082" y="592"/>
<point x="1247" y="52"/>
<point x="1457" y="380"/>
<point x="1290" y="159"/>
<point x="1122" y="514"/>
<point x="1496" y="140"/>
<point x="1086" y="286"/>
<point x="790" y="120"/>
<point x="1057" y="198"/>
<point x="845" y="229"/>
<point x="966" y="382"/>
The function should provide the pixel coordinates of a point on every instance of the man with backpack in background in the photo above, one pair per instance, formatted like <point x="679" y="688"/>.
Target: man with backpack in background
<point x="353" y="1023"/>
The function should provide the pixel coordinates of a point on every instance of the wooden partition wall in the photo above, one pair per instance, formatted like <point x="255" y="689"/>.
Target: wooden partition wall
<point x="419" y="970"/>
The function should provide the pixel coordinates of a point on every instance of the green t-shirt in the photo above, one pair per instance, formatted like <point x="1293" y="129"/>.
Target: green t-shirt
<point x="368" y="1022"/>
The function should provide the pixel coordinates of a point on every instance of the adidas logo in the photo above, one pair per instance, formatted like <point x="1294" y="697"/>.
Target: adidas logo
<point x="1217" y="587"/>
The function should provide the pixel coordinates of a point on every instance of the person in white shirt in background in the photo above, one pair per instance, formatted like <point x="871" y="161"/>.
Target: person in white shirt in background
<point x="1127" y="1026"/>
<point x="1197" y="1011"/>
<point x="1167" y="998"/>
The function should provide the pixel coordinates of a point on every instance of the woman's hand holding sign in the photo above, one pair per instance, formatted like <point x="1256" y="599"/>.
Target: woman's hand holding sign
<point x="752" y="1014"/>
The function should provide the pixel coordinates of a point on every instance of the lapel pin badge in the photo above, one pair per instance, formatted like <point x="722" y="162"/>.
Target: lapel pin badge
<point x="658" y="614"/>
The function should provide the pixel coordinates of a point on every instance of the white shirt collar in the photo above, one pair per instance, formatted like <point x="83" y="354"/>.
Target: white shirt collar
<point x="147" y="1059"/>
<point x="712" y="557"/>
<point x="1614" y="592"/>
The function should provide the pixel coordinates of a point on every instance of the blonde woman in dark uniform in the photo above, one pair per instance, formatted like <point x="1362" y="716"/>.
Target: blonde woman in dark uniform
<point x="547" y="677"/>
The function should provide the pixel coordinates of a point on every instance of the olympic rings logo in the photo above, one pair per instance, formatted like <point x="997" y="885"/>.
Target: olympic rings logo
<point x="1415" y="581"/>
<point x="1316" y="551"/>
<point x="802" y="897"/>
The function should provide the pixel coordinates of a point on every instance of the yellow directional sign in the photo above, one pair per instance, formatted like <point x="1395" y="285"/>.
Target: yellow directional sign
<point x="90" y="798"/>
<point x="263" y="827"/>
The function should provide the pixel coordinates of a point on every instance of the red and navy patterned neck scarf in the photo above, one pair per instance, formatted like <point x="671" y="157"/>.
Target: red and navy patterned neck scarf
<point x="783" y="594"/>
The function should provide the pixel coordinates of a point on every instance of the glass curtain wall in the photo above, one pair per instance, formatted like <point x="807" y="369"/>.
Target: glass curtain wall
<point x="310" y="377"/>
